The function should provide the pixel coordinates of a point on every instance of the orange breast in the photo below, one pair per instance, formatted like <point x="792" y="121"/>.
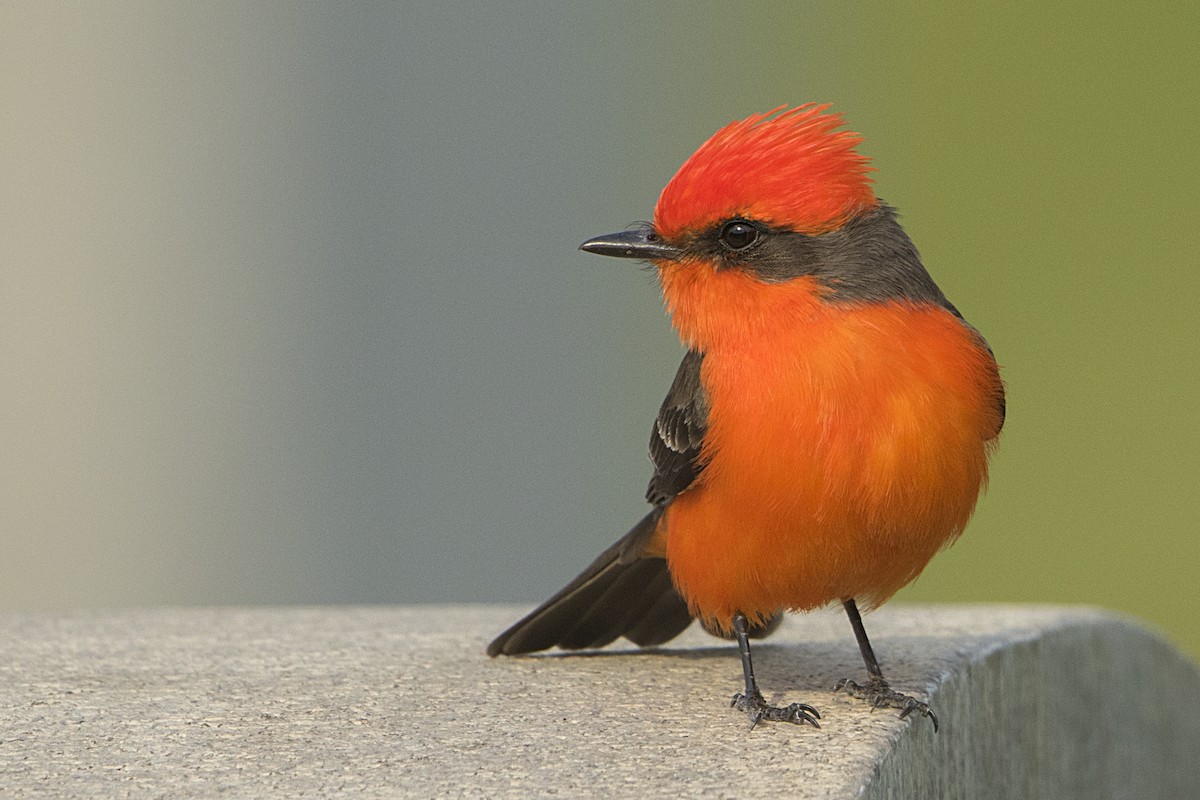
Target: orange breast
<point x="845" y="447"/>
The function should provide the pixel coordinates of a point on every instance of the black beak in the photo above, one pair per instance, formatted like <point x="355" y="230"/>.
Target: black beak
<point x="640" y="243"/>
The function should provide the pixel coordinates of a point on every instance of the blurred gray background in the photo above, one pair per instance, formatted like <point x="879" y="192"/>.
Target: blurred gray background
<point x="291" y="309"/>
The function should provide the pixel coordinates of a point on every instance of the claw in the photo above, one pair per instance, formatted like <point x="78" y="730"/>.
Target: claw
<point x="922" y="709"/>
<point x="879" y="694"/>
<point x="756" y="709"/>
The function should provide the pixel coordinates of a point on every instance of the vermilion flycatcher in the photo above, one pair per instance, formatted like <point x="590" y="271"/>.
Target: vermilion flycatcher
<point x="828" y="430"/>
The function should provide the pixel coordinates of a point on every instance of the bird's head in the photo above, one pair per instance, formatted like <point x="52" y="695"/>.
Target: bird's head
<point x="773" y="214"/>
<point x="786" y="170"/>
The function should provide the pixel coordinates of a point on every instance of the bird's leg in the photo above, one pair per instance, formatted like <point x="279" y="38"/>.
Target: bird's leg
<point x="752" y="701"/>
<point x="876" y="690"/>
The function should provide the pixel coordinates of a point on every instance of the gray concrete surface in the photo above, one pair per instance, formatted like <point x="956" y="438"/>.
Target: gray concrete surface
<point x="401" y="702"/>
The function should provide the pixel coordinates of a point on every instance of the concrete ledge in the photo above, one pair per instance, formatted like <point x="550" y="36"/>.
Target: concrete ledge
<point x="401" y="702"/>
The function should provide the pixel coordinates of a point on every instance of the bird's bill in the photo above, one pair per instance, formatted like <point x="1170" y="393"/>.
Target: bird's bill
<point x="641" y="243"/>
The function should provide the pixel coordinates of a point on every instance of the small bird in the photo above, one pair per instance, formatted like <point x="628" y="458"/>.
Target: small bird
<point x="828" y="430"/>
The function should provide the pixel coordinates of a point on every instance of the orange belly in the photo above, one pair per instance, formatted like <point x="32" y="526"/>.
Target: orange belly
<point x="843" y="452"/>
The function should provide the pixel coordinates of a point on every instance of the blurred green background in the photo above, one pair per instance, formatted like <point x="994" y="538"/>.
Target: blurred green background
<point x="292" y="310"/>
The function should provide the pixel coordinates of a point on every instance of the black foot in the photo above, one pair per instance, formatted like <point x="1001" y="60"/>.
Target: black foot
<point x="879" y="694"/>
<point x="757" y="709"/>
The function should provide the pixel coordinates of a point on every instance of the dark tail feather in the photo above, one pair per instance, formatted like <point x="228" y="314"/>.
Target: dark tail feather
<point x="664" y="620"/>
<point x="622" y="593"/>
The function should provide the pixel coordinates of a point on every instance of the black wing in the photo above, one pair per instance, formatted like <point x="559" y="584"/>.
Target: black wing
<point x="678" y="433"/>
<point x="627" y="591"/>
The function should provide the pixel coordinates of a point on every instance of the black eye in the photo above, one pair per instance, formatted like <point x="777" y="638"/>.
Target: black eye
<point x="738" y="235"/>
